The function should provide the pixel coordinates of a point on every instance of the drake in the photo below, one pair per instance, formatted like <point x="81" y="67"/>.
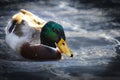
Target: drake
<point x="35" y="38"/>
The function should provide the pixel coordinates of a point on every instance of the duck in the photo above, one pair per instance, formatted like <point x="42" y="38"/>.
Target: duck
<point x="36" y="39"/>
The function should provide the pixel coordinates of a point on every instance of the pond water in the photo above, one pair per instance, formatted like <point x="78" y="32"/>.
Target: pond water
<point x="92" y="29"/>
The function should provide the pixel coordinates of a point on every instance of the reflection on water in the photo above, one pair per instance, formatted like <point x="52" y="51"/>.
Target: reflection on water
<point x="92" y="30"/>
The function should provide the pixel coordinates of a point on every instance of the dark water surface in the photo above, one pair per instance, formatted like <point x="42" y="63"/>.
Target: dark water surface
<point x="92" y="29"/>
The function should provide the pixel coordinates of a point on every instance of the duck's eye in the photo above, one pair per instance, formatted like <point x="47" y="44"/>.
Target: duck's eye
<point x="54" y="29"/>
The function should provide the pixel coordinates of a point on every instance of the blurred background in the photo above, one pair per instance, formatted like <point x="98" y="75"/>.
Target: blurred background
<point x="92" y="28"/>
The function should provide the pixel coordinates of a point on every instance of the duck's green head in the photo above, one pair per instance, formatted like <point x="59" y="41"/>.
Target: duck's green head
<point x="52" y="34"/>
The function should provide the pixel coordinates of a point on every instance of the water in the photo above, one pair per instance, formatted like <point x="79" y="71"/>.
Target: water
<point x="92" y="31"/>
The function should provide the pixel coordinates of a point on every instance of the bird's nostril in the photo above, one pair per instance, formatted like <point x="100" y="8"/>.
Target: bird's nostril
<point x="71" y="55"/>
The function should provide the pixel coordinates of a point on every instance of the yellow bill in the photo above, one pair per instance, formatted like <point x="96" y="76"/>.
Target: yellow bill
<point x="63" y="47"/>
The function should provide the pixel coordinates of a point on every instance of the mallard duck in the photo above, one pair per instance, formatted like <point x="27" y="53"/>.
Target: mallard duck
<point x="22" y="29"/>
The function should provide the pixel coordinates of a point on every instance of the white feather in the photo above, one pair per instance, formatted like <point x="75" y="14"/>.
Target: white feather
<point x="15" y="41"/>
